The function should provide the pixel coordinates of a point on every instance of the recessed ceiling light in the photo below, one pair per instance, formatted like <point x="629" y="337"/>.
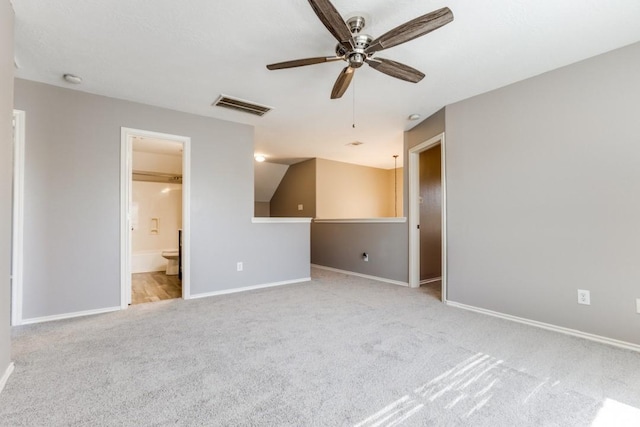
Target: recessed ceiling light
<point x="72" y="79"/>
<point x="414" y="117"/>
<point x="260" y="158"/>
<point x="355" y="143"/>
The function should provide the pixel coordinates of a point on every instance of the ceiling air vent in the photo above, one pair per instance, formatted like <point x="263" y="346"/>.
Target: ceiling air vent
<point x="242" y="105"/>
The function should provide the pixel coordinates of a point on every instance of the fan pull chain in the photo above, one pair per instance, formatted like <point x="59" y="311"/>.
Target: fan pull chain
<point x="354" y="104"/>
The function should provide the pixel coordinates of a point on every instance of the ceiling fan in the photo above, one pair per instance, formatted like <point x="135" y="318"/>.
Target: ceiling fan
<point x="357" y="49"/>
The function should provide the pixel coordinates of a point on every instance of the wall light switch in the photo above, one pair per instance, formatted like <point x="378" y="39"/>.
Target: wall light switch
<point x="239" y="266"/>
<point x="300" y="207"/>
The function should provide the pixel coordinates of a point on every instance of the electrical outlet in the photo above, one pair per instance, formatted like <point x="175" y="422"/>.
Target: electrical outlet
<point x="638" y="305"/>
<point x="239" y="266"/>
<point x="584" y="297"/>
<point x="300" y="207"/>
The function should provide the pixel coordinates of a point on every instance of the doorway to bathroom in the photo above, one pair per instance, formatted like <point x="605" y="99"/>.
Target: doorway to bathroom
<point x="155" y="213"/>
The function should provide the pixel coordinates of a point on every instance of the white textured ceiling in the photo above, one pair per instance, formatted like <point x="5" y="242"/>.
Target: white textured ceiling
<point x="183" y="54"/>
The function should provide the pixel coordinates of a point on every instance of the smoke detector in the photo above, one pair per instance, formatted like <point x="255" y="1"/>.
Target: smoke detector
<point x="70" y="78"/>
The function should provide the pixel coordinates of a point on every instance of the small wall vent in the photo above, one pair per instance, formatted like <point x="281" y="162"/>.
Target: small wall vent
<point x="241" y="105"/>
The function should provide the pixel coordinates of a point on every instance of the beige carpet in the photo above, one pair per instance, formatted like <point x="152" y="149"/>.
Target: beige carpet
<point x="338" y="350"/>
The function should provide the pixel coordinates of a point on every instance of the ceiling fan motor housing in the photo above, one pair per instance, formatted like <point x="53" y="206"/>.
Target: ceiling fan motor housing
<point x="358" y="55"/>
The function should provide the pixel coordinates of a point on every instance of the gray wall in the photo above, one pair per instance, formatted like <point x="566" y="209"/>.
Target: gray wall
<point x="6" y="167"/>
<point x="340" y="245"/>
<point x="542" y="197"/>
<point x="297" y="187"/>
<point x="72" y="202"/>
<point x="426" y="129"/>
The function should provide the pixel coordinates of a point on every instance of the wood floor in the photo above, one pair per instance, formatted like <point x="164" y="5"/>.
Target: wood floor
<point x="434" y="289"/>
<point x="156" y="286"/>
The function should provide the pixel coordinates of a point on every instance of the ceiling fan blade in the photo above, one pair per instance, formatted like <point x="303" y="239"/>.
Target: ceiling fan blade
<point x="331" y="19"/>
<point x="413" y="29"/>
<point x="396" y="69"/>
<point x="342" y="83"/>
<point x="303" y="62"/>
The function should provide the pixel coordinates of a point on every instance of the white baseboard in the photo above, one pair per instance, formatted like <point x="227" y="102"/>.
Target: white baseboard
<point x="5" y="376"/>
<point x="550" y="327"/>
<point x="69" y="315"/>
<point x="249" y="288"/>
<point x="365" y="276"/>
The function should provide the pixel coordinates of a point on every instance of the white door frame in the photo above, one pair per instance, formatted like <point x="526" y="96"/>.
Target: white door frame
<point x="126" y="169"/>
<point x="414" y="211"/>
<point x="17" y="240"/>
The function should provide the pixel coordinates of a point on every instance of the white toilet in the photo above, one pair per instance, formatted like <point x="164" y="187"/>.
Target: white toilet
<point x="172" y="261"/>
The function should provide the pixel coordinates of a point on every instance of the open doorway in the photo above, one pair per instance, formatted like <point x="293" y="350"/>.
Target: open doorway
<point x="427" y="216"/>
<point x="430" y="200"/>
<point x="155" y="214"/>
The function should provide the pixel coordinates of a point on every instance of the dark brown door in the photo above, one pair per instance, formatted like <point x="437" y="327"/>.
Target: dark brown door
<point x="430" y="214"/>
